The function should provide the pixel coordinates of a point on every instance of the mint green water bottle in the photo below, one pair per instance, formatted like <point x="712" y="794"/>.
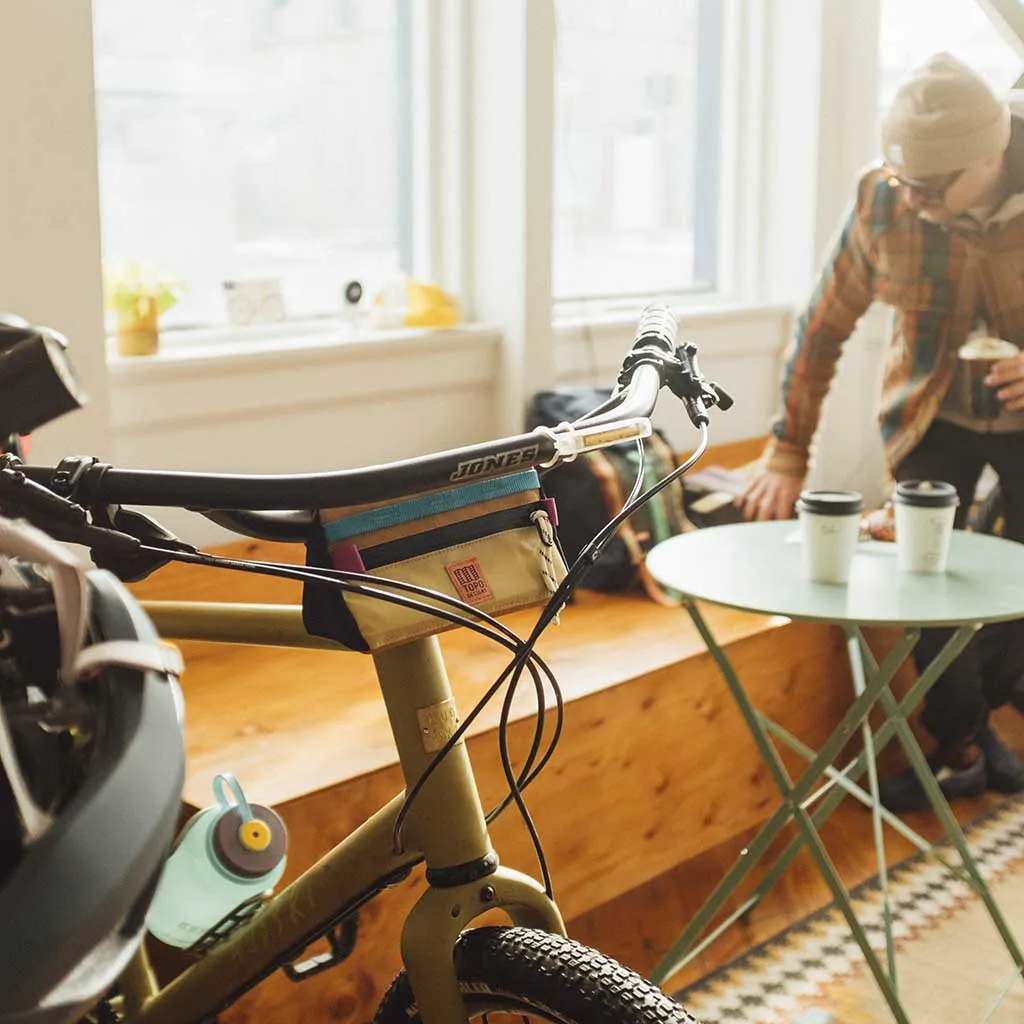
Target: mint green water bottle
<point x="225" y="855"/>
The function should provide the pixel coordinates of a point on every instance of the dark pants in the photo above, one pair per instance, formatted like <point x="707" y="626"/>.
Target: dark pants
<point x="989" y="668"/>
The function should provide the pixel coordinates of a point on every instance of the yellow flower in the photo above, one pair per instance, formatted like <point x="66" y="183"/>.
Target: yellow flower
<point x="136" y="294"/>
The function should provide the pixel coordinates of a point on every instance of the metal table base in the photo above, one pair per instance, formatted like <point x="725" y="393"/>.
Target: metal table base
<point x="809" y="801"/>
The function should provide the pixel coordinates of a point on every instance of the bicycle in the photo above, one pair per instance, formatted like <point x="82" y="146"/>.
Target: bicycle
<point x="452" y="972"/>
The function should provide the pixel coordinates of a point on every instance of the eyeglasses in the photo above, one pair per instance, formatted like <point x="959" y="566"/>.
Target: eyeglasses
<point x="928" y="189"/>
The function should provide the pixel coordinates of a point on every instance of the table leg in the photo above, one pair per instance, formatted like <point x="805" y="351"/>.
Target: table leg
<point x="841" y="778"/>
<point x="857" y="668"/>
<point x="791" y="809"/>
<point x="956" y="643"/>
<point x="950" y="825"/>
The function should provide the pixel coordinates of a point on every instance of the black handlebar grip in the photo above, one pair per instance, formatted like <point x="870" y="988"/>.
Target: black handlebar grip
<point x="657" y="327"/>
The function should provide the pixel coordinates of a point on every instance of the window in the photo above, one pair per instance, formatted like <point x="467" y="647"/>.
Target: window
<point x="912" y="30"/>
<point x="254" y="138"/>
<point x="637" y="110"/>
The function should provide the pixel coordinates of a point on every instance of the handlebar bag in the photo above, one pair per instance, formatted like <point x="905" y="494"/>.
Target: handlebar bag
<point x="489" y="543"/>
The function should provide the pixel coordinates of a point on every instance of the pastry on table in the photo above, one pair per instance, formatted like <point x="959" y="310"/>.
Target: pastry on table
<point x="880" y="524"/>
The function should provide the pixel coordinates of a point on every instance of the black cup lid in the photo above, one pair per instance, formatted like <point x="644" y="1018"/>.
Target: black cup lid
<point x="927" y="493"/>
<point x="831" y="503"/>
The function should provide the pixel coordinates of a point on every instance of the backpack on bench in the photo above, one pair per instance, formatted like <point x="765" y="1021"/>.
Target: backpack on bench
<point x="593" y="488"/>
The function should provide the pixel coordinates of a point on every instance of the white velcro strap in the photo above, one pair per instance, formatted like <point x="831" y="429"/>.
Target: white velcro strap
<point x="67" y="578"/>
<point x="129" y="654"/>
<point x="35" y="820"/>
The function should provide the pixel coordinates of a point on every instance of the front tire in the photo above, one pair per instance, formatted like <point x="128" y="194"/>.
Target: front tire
<point x="534" y="975"/>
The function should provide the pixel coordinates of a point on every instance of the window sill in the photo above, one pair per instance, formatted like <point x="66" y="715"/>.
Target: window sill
<point x="237" y="380"/>
<point x="282" y="344"/>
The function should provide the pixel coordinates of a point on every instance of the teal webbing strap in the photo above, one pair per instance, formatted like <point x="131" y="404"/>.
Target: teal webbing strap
<point x="430" y="505"/>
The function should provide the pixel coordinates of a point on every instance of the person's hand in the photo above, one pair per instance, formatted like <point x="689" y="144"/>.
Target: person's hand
<point x="770" y="496"/>
<point x="1007" y="376"/>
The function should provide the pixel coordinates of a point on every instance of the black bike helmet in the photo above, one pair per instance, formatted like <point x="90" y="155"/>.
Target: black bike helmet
<point x="102" y="757"/>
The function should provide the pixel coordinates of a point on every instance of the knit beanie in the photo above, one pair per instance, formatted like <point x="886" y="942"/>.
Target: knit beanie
<point x="944" y="117"/>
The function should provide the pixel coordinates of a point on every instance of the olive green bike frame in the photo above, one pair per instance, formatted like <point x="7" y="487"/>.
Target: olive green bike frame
<point x="445" y="828"/>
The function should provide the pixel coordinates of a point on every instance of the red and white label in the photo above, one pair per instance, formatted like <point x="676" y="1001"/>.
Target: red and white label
<point x="469" y="581"/>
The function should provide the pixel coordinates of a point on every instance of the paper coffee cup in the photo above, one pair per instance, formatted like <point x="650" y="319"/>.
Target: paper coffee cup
<point x="830" y="526"/>
<point x="925" y="511"/>
<point x="978" y="356"/>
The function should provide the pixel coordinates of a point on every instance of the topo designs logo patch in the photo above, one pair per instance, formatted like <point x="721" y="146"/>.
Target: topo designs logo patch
<point x="469" y="581"/>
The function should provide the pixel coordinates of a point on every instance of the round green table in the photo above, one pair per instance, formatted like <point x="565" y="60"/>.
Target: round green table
<point x="756" y="567"/>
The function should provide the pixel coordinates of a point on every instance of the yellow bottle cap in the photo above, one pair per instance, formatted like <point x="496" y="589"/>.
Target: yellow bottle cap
<point x="254" y="835"/>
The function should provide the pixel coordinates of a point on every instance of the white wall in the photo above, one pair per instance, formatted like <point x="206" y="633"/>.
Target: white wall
<point x="849" y="448"/>
<point x="820" y="132"/>
<point x="49" y="204"/>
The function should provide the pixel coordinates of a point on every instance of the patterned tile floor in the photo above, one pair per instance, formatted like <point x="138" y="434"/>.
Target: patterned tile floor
<point x="768" y="984"/>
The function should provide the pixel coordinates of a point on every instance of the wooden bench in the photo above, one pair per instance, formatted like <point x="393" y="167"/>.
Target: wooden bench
<point x="654" y="767"/>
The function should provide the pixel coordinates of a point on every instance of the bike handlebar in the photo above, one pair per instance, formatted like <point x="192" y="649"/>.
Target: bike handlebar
<point x="642" y="374"/>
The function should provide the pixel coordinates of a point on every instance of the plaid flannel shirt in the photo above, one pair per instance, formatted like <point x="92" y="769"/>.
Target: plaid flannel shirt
<point x="934" y="278"/>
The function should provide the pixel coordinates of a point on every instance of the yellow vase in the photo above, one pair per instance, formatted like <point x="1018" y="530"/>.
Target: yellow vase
<point x="137" y="331"/>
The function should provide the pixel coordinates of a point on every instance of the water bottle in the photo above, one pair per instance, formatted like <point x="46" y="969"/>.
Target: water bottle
<point x="226" y="854"/>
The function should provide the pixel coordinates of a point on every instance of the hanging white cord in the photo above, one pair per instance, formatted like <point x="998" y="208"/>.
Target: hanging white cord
<point x="137" y="654"/>
<point x="34" y="820"/>
<point x="23" y="541"/>
<point x="67" y="578"/>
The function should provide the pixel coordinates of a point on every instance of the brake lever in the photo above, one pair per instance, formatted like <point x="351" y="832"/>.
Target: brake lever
<point x="115" y="536"/>
<point x="131" y="563"/>
<point x="687" y="383"/>
<point x="723" y="399"/>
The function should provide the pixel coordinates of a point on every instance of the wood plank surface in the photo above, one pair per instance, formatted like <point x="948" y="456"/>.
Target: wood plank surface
<point x="294" y="721"/>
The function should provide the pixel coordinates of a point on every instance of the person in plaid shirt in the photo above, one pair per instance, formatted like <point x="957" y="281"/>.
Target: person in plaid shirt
<point x="936" y="232"/>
